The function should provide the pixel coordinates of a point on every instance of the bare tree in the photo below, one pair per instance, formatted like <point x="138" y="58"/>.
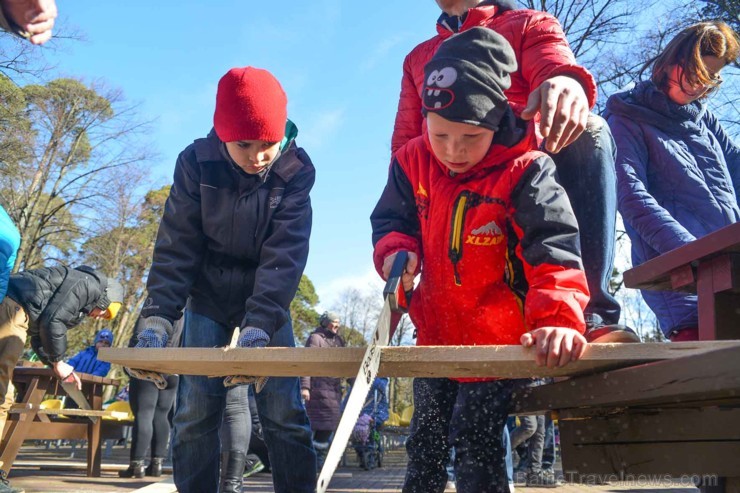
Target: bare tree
<point x="359" y="310"/>
<point x="79" y="139"/>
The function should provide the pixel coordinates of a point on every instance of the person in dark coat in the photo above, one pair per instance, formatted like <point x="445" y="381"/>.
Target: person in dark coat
<point x="86" y="361"/>
<point x="232" y="244"/>
<point x="46" y="303"/>
<point x="678" y="171"/>
<point x="323" y="395"/>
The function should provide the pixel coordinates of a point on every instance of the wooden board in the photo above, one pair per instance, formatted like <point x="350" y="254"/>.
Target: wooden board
<point x="692" y="380"/>
<point x="404" y="361"/>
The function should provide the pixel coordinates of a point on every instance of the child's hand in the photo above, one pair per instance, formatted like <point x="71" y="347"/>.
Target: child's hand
<point x="556" y="346"/>
<point x="408" y="277"/>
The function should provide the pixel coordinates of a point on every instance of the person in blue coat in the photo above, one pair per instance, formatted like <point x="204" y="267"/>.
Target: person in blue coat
<point x="86" y="361"/>
<point x="10" y="240"/>
<point x="678" y="172"/>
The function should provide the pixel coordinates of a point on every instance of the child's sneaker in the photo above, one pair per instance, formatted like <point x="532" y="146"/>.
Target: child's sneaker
<point x="541" y="479"/>
<point x="252" y="466"/>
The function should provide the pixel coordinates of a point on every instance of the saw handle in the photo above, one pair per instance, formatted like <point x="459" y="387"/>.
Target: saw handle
<point x="398" y="298"/>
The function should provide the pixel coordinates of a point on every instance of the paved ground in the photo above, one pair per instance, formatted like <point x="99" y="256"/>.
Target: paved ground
<point x="53" y="471"/>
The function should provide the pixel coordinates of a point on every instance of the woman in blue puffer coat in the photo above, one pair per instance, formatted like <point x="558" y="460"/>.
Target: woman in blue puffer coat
<point x="678" y="172"/>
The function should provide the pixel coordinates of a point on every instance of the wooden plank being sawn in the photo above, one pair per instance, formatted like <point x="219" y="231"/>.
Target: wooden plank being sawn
<point x="404" y="361"/>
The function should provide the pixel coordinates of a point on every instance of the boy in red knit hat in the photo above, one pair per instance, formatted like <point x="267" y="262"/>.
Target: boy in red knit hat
<point x="233" y="244"/>
<point x="484" y="219"/>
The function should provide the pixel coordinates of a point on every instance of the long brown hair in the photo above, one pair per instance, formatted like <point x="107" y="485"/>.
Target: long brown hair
<point x="714" y="38"/>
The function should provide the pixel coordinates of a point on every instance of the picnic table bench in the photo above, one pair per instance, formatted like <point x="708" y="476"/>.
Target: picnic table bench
<point x="26" y="421"/>
<point x="680" y="416"/>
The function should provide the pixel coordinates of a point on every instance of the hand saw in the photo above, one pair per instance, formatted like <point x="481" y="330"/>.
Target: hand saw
<point x="76" y="395"/>
<point x="395" y="300"/>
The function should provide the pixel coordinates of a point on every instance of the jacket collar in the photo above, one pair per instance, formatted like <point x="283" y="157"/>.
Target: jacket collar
<point x="513" y="139"/>
<point x="647" y="104"/>
<point x="447" y="25"/>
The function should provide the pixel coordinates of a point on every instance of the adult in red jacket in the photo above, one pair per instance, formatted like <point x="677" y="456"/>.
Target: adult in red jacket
<point x="548" y="81"/>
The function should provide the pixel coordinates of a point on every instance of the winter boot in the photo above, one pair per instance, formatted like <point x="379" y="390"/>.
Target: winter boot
<point x="135" y="470"/>
<point x="232" y="469"/>
<point x="155" y="467"/>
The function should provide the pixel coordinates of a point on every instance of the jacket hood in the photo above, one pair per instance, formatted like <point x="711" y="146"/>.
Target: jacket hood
<point x="647" y="104"/>
<point x="514" y="138"/>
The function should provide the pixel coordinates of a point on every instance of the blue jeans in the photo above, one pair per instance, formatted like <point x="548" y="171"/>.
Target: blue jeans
<point x="586" y="171"/>
<point x="201" y="402"/>
<point x="470" y="418"/>
<point x="548" y="453"/>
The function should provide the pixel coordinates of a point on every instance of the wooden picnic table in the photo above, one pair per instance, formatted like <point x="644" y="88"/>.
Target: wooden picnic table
<point x="27" y="423"/>
<point x="709" y="267"/>
<point x="679" y="417"/>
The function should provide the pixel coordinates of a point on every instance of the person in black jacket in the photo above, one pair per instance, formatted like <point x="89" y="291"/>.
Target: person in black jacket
<point x="232" y="244"/>
<point x="45" y="303"/>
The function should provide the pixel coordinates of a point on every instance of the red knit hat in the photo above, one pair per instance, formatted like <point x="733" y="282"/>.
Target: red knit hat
<point x="250" y="105"/>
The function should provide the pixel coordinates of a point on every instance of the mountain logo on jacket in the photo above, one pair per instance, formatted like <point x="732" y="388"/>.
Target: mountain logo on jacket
<point x="422" y="202"/>
<point x="437" y="95"/>
<point x="487" y="235"/>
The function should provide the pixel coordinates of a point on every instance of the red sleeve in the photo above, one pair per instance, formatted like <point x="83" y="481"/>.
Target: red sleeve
<point x="546" y="54"/>
<point x="408" y="117"/>
<point x="392" y="243"/>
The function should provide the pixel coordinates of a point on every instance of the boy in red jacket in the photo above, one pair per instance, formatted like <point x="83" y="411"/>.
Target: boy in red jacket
<point x="484" y="219"/>
<point x="550" y="87"/>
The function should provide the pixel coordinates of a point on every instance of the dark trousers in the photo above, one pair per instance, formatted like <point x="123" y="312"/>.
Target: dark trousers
<point x="151" y="408"/>
<point x="468" y="417"/>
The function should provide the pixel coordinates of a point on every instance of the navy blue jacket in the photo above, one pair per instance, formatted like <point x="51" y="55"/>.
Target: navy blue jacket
<point x="235" y="243"/>
<point x="678" y="177"/>
<point x="86" y="361"/>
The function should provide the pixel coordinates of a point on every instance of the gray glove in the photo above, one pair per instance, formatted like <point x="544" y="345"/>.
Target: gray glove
<point x="249" y="337"/>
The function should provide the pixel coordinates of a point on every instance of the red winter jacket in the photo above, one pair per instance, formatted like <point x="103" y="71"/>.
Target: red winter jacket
<point x="541" y="50"/>
<point x="498" y="244"/>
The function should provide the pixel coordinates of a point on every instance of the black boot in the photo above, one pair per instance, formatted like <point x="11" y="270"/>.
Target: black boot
<point x="232" y="469"/>
<point x="135" y="470"/>
<point x="155" y="467"/>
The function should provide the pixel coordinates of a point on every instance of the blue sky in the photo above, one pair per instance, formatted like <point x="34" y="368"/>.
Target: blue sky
<point x="340" y="63"/>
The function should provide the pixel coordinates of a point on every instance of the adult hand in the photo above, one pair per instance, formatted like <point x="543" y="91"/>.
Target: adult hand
<point x="305" y="395"/>
<point x="555" y="346"/>
<point x="249" y="337"/>
<point x="408" y="276"/>
<point x="66" y="374"/>
<point x="563" y="105"/>
<point x="34" y="17"/>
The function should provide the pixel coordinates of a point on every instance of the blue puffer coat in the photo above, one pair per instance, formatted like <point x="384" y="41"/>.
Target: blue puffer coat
<point x="10" y="240"/>
<point x="86" y="361"/>
<point x="678" y="176"/>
